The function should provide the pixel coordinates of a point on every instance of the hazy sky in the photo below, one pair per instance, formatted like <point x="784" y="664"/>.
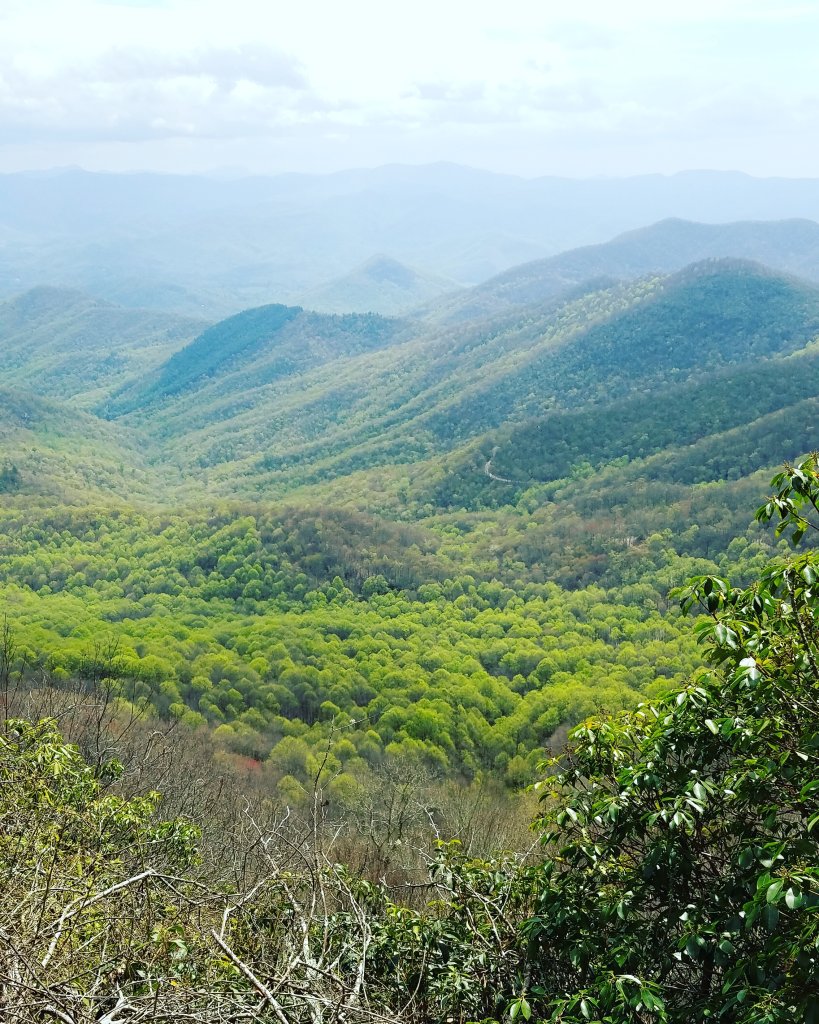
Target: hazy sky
<point x="586" y="88"/>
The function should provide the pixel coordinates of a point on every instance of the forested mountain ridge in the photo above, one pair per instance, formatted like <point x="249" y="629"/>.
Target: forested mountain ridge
<point x="287" y="475"/>
<point x="255" y="348"/>
<point x="336" y="404"/>
<point x="69" y="345"/>
<point x="790" y="246"/>
<point x="279" y="397"/>
<point x="554" y="447"/>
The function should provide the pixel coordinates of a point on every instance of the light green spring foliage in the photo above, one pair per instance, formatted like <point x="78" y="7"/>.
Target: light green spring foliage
<point x="679" y="876"/>
<point x="217" y="624"/>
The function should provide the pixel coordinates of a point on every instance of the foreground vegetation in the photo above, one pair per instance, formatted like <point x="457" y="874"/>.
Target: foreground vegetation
<point x="677" y="875"/>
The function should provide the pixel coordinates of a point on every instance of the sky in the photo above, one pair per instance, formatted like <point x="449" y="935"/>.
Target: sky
<point x="589" y="88"/>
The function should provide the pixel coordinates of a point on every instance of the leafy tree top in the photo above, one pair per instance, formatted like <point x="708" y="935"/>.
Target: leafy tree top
<point x="682" y="876"/>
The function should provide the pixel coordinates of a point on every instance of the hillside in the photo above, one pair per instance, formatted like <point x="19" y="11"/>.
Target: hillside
<point x="279" y="398"/>
<point x="60" y="454"/>
<point x="71" y="346"/>
<point x="270" y="405"/>
<point x="249" y="354"/>
<point x="790" y="246"/>
<point x="459" y="536"/>
<point x="555" y="446"/>
<point x="358" y="577"/>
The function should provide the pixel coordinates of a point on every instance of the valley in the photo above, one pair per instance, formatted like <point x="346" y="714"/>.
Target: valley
<point x="451" y="536"/>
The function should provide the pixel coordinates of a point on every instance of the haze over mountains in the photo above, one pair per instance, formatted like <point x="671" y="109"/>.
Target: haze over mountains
<point x="791" y="246"/>
<point x="381" y="285"/>
<point x="211" y="247"/>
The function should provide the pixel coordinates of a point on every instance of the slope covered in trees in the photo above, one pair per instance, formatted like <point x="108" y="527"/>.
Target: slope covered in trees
<point x="68" y="345"/>
<point x="323" y="397"/>
<point x="666" y="247"/>
<point x="254" y="349"/>
<point x="475" y="530"/>
<point x="361" y="576"/>
<point x="64" y="455"/>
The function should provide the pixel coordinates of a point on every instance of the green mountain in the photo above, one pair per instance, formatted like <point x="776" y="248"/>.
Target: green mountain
<point x="71" y="346"/>
<point x="553" y="447"/>
<point x="278" y="397"/>
<point x="791" y="246"/>
<point x="228" y="367"/>
<point x="447" y="541"/>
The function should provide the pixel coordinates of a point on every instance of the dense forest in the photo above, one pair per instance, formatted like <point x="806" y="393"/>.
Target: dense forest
<point x="365" y="596"/>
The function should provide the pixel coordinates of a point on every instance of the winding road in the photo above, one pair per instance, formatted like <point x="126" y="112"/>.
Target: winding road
<point x="492" y="476"/>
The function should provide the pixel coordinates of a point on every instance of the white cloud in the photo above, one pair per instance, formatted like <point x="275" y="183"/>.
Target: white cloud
<point x="173" y="75"/>
<point x="249" y="62"/>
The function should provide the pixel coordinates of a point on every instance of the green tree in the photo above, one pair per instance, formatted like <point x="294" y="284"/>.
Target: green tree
<point x="85" y="915"/>
<point x="682" y="875"/>
<point x="10" y="479"/>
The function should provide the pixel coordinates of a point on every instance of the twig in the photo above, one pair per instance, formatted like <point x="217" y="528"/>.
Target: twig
<point x="82" y="903"/>
<point x="260" y="987"/>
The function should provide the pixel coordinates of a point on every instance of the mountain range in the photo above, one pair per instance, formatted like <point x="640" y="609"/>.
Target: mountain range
<point x="791" y="246"/>
<point x="208" y="247"/>
<point x="600" y="355"/>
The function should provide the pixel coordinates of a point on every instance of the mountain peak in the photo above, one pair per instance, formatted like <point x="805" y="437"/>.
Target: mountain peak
<point x="382" y="284"/>
<point x="45" y="300"/>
